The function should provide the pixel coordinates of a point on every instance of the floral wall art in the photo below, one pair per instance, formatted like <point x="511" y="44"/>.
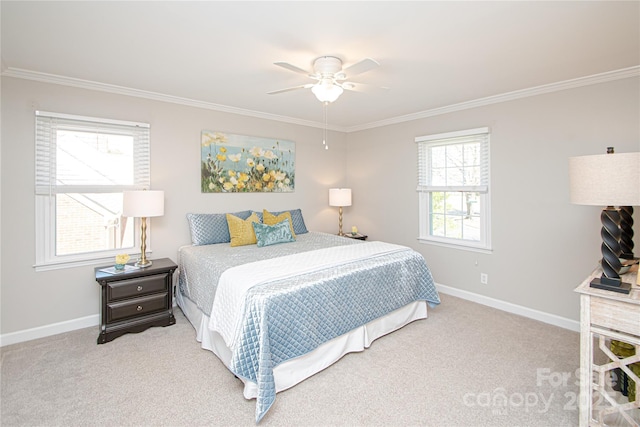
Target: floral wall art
<point x="246" y="164"/>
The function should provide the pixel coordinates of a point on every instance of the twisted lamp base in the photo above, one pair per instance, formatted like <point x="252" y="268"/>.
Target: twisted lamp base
<point x="611" y="251"/>
<point x="626" y="232"/>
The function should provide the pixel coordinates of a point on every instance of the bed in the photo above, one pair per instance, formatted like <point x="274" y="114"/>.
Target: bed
<point x="277" y="313"/>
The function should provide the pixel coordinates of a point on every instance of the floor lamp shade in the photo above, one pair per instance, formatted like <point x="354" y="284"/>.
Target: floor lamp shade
<point x="143" y="204"/>
<point x="610" y="180"/>
<point x="340" y="197"/>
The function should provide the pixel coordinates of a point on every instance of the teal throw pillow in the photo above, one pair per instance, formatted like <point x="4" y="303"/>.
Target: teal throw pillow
<point x="267" y="235"/>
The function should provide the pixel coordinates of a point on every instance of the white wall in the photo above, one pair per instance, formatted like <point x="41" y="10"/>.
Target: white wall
<point x="543" y="246"/>
<point x="33" y="299"/>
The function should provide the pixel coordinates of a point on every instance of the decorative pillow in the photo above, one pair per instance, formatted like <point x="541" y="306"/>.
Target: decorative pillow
<point x="207" y="229"/>
<point x="271" y="219"/>
<point x="299" y="226"/>
<point x="241" y="230"/>
<point x="259" y="216"/>
<point x="267" y="235"/>
<point x="298" y="222"/>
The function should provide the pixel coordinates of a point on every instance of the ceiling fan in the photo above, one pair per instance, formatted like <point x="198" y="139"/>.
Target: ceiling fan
<point x="331" y="77"/>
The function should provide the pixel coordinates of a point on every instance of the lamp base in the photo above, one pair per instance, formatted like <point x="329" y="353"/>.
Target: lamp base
<point x="143" y="263"/>
<point x="613" y="285"/>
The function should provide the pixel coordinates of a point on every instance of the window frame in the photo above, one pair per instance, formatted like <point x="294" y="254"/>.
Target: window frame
<point x="425" y="188"/>
<point x="46" y="188"/>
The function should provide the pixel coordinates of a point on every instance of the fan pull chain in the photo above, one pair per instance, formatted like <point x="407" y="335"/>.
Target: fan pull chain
<point x="324" y="133"/>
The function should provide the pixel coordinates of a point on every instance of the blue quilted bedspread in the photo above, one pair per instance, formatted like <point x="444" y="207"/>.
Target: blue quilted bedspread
<point x="288" y="318"/>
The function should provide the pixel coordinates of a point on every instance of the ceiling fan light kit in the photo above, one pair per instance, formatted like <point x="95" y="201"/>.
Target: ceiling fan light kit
<point x="330" y="76"/>
<point x="326" y="91"/>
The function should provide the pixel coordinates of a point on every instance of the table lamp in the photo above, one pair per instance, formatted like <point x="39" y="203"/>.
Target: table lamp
<point x="340" y="197"/>
<point x="611" y="180"/>
<point x="143" y="204"/>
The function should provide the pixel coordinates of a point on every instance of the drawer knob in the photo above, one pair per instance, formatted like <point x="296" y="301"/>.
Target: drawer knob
<point x="139" y="288"/>
<point x="139" y="308"/>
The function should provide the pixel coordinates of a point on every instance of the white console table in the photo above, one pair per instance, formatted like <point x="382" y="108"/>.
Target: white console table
<point x="606" y="316"/>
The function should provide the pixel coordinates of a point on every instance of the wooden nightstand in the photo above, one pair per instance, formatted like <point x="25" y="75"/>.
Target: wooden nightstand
<point x="136" y="299"/>
<point x="357" y="236"/>
<point x="607" y="316"/>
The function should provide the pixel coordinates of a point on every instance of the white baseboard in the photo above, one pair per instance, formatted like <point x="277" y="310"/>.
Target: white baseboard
<point x="94" y="320"/>
<point x="48" y="330"/>
<point x="541" y="316"/>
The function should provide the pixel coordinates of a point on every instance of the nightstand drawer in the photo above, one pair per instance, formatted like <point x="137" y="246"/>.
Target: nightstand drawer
<point x="615" y="315"/>
<point x="134" y="287"/>
<point x="137" y="307"/>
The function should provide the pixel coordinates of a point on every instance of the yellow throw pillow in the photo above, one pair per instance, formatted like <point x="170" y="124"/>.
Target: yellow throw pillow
<point x="241" y="230"/>
<point x="271" y="219"/>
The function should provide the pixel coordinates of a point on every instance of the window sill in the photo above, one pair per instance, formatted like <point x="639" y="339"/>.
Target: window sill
<point x="59" y="265"/>
<point x="464" y="247"/>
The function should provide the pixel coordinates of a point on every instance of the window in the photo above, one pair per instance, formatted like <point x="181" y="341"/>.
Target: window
<point x="453" y="186"/>
<point x="83" y="165"/>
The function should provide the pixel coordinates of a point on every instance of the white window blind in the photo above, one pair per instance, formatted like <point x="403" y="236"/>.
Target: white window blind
<point x="456" y="161"/>
<point x="79" y="165"/>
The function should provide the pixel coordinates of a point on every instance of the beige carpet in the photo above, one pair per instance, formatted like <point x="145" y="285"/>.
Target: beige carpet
<point x="466" y="365"/>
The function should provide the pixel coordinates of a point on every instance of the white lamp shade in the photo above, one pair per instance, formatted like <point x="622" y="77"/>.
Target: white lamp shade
<point x="143" y="204"/>
<point x="326" y="92"/>
<point x="339" y="197"/>
<point x="605" y="179"/>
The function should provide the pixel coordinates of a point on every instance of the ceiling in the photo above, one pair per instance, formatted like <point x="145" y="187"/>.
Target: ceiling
<point x="220" y="55"/>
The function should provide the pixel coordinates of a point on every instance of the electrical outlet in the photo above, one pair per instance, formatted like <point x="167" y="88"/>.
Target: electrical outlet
<point x="484" y="278"/>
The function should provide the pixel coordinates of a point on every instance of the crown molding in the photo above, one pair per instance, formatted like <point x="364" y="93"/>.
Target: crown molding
<point x="608" y="76"/>
<point x="156" y="96"/>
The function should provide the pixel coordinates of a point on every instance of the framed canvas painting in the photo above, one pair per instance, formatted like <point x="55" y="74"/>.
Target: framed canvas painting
<point x="246" y="164"/>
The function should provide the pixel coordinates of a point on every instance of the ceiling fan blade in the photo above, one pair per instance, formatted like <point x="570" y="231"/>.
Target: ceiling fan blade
<point x="307" y="86"/>
<point x="361" y="87"/>
<point x="360" y="67"/>
<point x="293" y="68"/>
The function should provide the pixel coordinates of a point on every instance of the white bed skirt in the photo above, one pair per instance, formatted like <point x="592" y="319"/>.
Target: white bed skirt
<point x="293" y="371"/>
